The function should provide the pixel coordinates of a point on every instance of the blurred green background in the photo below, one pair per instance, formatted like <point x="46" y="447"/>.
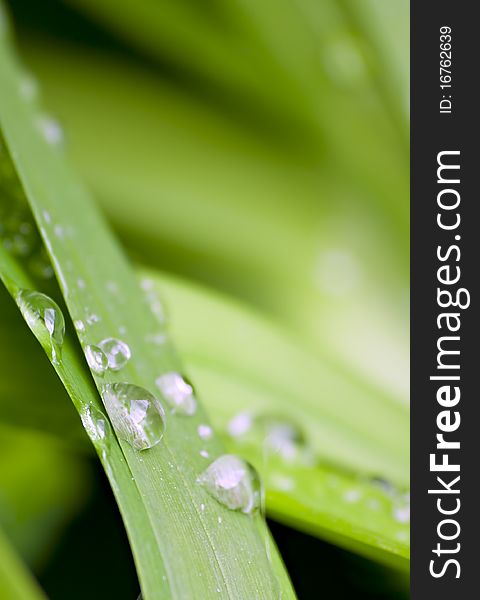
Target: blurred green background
<point x="259" y="148"/>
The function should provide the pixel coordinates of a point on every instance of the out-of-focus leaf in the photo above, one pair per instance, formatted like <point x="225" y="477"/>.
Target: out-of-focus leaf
<point x="16" y="582"/>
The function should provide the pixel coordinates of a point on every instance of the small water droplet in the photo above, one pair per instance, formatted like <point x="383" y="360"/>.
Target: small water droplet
<point x="202" y="507"/>
<point x="81" y="284"/>
<point x="28" y="87"/>
<point x="401" y="509"/>
<point x="93" y="318"/>
<point x="283" y="482"/>
<point x="352" y="496"/>
<point x="43" y="316"/>
<point x="95" y="424"/>
<point x="59" y="231"/>
<point x="177" y="393"/>
<point x="51" y="129"/>
<point x="205" y="432"/>
<point x="278" y="435"/>
<point x="96" y="359"/>
<point x="117" y="352"/>
<point x="136" y="415"/>
<point x="112" y="287"/>
<point x="153" y="299"/>
<point x="204" y="453"/>
<point x="79" y="325"/>
<point x="220" y="520"/>
<point x="240" y="424"/>
<point x="40" y="266"/>
<point x="234" y="483"/>
<point x="156" y="338"/>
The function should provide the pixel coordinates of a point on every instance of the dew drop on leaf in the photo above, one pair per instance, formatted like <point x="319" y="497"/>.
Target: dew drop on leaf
<point x="234" y="483"/>
<point x="401" y="509"/>
<point x="276" y="434"/>
<point x="96" y="425"/>
<point x="96" y="359"/>
<point x="117" y="353"/>
<point x="50" y="129"/>
<point x="44" y="318"/>
<point x="136" y="415"/>
<point x="178" y="393"/>
<point x="205" y="432"/>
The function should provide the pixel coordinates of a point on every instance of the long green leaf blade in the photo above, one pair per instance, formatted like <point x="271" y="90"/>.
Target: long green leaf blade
<point x="205" y="551"/>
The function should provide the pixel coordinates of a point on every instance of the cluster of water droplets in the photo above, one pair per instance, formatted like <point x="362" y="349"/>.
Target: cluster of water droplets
<point x="18" y="232"/>
<point x="44" y="318"/>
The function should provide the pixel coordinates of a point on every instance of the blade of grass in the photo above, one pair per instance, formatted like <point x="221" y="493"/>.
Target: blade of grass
<point x="16" y="583"/>
<point x="326" y="499"/>
<point x="83" y="395"/>
<point x="200" y="549"/>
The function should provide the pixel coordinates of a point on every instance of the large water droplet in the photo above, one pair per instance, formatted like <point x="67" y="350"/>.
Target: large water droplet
<point x="117" y="352"/>
<point x="136" y="415"/>
<point x="95" y="424"/>
<point x="44" y="318"/>
<point x="234" y="483"/>
<point x="96" y="359"/>
<point x="177" y="393"/>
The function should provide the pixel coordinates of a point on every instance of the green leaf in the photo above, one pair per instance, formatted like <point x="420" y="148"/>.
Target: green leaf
<point x="16" y="582"/>
<point x="182" y="549"/>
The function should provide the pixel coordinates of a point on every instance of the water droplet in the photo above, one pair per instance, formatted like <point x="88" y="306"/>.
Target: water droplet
<point x="352" y="496"/>
<point x="386" y="486"/>
<point x="51" y="129"/>
<point x="204" y="453"/>
<point x="79" y="325"/>
<point x="205" y="431"/>
<point x="93" y="318"/>
<point x="81" y="284"/>
<point x="153" y="299"/>
<point x="401" y="509"/>
<point x="28" y="87"/>
<point x="240" y="424"/>
<point x="277" y="434"/>
<point x="283" y="482"/>
<point x="44" y="318"/>
<point x="95" y="424"/>
<point x="96" y="359"/>
<point x="117" y="352"/>
<point x="156" y="338"/>
<point x="40" y="266"/>
<point x="234" y="483"/>
<point x="136" y="414"/>
<point x="177" y="393"/>
<point x="112" y="287"/>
